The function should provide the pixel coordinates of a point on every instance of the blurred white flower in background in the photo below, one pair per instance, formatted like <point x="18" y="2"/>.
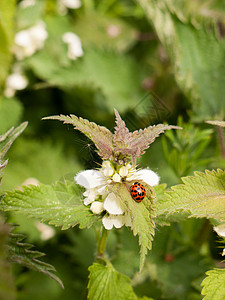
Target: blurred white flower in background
<point x="98" y="194"/>
<point x="74" y="45"/>
<point x="63" y="5"/>
<point x="28" y="41"/>
<point x="46" y="231"/>
<point x="27" y="3"/>
<point x="15" y="82"/>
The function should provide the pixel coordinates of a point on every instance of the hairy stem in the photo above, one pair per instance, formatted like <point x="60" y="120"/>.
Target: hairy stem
<point x="101" y="241"/>
<point x="221" y="140"/>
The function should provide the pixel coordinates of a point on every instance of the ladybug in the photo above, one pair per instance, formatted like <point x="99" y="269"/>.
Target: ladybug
<point x="137" y="192"/>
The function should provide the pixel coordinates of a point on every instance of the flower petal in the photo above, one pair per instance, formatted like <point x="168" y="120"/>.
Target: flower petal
<point x="110" y="221"/>
<point x="148" y="176"/>
<point x="89" y="178"/>
<point x="113" y="205"/>
<point x="97" y="207"/>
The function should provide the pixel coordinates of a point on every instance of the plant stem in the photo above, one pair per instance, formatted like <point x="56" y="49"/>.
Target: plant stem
<point x="221" y="140"/>
<point x="102" y="242"/>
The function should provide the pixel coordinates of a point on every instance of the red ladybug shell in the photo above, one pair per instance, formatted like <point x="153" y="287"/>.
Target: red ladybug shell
<point x="137" y="191"/>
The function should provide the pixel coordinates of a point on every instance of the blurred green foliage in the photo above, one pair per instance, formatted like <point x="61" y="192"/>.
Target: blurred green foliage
<point x="153" y="61"/>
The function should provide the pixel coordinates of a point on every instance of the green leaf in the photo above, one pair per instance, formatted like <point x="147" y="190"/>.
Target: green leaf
<point x="197" y="57"/>
<point x="100" y="135"/>
<point x="21" y="253"/>
<point x="96" y="70"/>
<point x="214" y="285"/>
<point x="202" y="195"/>
<point x="142" y="215"/>
<point x="7" y="9"/>
<point x="106" y="283"/>
<point x="59" y="204"/>
<point x="7" y="289"/>
<point x="141" y="139"/>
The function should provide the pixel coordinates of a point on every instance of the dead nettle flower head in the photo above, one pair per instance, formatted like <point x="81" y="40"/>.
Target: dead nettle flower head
<point x="108" y="188"/>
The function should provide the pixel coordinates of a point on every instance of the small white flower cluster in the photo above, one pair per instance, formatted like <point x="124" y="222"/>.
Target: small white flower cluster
<point x="102" y="199"/>
<point x="74" y="45"/>
<point x="63" y="5"/>
<point x="16" y="81"/>
<point x="28" y="41"/>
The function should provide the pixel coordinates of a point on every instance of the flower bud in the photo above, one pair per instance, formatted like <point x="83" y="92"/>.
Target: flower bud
<point x="123" y="171"/>
<point x="116" y="177"/>
<point x="97" y="207"/>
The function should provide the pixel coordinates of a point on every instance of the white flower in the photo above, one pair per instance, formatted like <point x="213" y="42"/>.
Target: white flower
<point x="97" y="207"/>
<point x="63" y="5"/>
<point x="15" y="82"/>
<point x="46" y="231"/>
<point x="113" y="205"/>
<point x="74" y="45"/>
<point x="97" y="184"/>
<point x="148" y="176"/>
<point x="116" y="177"/>
<point x="89" y="178"/>
<point x="28" y="41"/>
<point x="124" y="171"/>
<point x="110" y="221"/>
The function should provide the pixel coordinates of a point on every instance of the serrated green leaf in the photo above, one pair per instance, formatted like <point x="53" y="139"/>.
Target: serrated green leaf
<point x="21" y="253"/>
<point x="141" y="139"/>
<point x="58" y="204"/>
<point x="202" y="195"/>
<point x="7" y="289"/>
<point x="197" y="56"/>
<point x="214" y="285"/>
<point x="142" y="215"/>
<point x="106" y="283"/>
<point x="100" y="135"/>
